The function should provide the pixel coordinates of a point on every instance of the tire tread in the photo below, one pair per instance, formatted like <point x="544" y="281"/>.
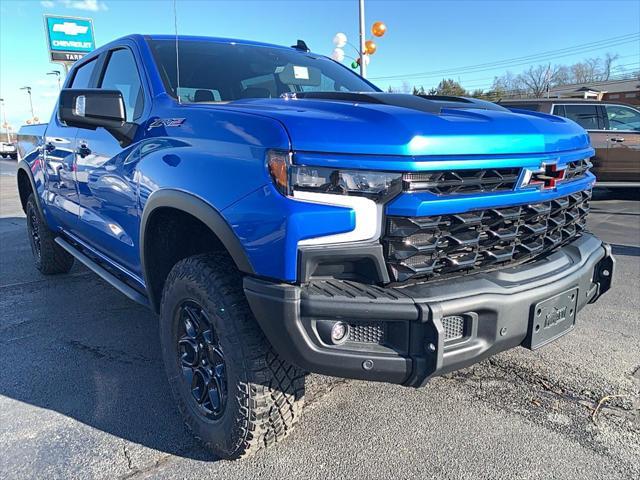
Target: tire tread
<point x="270" y="392"/>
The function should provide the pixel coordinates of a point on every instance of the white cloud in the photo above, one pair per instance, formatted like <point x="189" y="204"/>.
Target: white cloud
<point x="47" y="4"/>
<point x="90" y="5"/>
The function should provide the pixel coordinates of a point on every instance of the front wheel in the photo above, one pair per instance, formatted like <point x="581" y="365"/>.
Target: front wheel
<point x="234" y="392"/>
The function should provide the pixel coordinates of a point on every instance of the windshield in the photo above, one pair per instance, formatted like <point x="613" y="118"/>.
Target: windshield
<point x="222" y="72"/>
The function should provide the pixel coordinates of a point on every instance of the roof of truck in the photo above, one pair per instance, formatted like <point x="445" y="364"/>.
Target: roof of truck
<point x="136" y="37"/>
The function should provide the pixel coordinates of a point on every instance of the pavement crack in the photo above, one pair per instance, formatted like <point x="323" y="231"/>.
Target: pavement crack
<point x="544" y="392"/>
<point x="312" y="400"/>
<point x="128" y="457"/>
<point x="103" y="353"/>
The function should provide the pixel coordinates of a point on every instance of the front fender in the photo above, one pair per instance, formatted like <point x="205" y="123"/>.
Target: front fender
<point x="199" y="209"/>
<point x="34" y="173"/>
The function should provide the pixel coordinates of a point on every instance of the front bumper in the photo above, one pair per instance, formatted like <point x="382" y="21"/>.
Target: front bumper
<point x="405" y="335"/>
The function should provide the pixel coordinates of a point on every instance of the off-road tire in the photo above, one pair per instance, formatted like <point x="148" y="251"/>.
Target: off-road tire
<point x="265" y="393"/>
<point x="49" y="257"/>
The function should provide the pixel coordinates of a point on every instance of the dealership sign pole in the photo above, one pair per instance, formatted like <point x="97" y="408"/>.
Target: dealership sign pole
<point x="68" y="38"/>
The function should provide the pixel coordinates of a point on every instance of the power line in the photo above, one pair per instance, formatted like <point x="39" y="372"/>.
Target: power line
<point x="621" y="75"/>
<point x="551" y="54"/>
<point x="529" y="62"/>
<point x="614" y="41"/>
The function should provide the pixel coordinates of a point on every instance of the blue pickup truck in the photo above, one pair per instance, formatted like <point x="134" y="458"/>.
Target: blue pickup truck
<point x="282" y="215"/>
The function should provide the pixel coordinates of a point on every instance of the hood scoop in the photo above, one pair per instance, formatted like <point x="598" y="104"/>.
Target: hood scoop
<point x="424" y="103"/>
<point x="395" y="99"/>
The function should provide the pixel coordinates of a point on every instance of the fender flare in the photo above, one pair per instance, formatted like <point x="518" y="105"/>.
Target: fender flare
<point x="201" y="210"/>
<point x="24" y="166"/>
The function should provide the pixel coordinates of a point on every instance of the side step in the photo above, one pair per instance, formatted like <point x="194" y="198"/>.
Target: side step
<point x="104" y="274"/>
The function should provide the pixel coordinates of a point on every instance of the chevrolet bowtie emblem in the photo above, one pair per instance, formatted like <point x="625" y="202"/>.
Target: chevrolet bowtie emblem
<point x="548" y="177"/>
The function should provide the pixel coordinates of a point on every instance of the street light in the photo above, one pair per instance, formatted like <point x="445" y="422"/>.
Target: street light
<point x="28" y="89"/>
<point x="57" y="74"/>
<point x="4" y="120"/>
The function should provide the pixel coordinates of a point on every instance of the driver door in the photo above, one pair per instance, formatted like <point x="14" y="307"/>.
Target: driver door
<point x="105" y="171"/>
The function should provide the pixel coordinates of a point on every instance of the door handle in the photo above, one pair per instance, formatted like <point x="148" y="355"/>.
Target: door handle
<point x="617" y="139"/>
<point x="83" y="150"/>
<point x="49" y="147"/>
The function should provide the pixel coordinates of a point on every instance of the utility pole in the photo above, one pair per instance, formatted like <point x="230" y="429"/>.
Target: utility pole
<point x="363" y="67"/>
<point x="4" y="120"/>
<point x="28" y="89"/>
<point x="57" y="74"/>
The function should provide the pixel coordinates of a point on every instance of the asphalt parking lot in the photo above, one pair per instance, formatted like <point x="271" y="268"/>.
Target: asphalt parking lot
<point x="83" y="392"/>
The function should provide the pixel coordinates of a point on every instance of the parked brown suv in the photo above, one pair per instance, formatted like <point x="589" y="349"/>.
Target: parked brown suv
<point x="614" y="130"/>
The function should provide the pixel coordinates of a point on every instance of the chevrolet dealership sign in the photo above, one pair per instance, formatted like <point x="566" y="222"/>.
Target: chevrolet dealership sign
<point x="69" y="38"/>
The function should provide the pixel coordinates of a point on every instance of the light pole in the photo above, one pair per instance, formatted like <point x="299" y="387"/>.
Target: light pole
<point x="4" y="120"/>
<point x="57" y="74"/>
<point x="366" y="47"/>
<point x="363" y="67"/>
<point x="28" y="89"/>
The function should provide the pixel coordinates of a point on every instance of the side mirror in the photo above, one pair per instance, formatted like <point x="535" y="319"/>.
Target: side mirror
<point x="92" y="108"/>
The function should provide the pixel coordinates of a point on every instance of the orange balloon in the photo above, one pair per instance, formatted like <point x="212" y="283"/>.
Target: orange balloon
<point x="370" y="47"/>
<point x="379" y="29"/>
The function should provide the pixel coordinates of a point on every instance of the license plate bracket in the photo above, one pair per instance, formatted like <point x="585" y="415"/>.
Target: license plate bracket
<point x="551" y="318"/>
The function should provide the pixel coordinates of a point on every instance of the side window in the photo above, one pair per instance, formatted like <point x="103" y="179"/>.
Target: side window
<point x="587" y="116"/>
<point x="623" y="118"/>
<point x="521" y="106"/>
<point x="559" y="110"/>
<point x="122" y="74"/>
<point x="82" y="76"/>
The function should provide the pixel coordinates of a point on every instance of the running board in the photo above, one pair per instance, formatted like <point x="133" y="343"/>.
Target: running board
<point x="104" y="274"/>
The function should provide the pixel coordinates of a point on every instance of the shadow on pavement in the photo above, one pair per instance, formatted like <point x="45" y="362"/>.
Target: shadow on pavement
<point x="74" y="345"/>
<point x="616" y="193"/>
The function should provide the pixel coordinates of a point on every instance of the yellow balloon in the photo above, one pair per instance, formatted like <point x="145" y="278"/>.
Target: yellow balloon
<point x="370" y="47"/>
<point x="379" y="29"/>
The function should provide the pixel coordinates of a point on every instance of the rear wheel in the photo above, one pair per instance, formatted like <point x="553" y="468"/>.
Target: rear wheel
<point x="50" y="258"/>
<point x="234" y="392"/>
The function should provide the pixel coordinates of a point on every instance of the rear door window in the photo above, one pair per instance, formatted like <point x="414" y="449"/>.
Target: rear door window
<point x="588" y="117"/>
<point x="623" y="118"/>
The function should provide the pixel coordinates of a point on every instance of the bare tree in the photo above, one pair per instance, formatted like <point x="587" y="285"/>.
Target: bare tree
<point x="587" y="71"/>
<point x="507" y="84"/>
<point x="538" y="80"/>
<point x="609" y="58"/>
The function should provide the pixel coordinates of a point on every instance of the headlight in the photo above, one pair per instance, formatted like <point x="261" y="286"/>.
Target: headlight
<point x="289" y="178"/>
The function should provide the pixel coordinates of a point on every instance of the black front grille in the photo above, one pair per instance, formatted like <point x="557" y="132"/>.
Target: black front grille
<point x="428" y="247"/>
<point x="452" y="182"/>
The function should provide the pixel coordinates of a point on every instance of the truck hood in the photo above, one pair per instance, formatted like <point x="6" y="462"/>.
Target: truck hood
<point x="388" y="124"/>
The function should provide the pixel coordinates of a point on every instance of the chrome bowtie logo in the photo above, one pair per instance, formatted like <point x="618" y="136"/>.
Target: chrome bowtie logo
<point x="546" y="178"/>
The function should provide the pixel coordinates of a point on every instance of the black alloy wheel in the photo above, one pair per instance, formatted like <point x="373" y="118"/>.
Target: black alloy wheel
<point x="202" y="360"/>
<point x="34" y="233"/>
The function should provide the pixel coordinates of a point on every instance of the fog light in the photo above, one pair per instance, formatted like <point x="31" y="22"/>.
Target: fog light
<point x="339" y="332"/>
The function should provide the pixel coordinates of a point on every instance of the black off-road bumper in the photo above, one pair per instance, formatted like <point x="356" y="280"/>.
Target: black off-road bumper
<point x="407" y="335"/>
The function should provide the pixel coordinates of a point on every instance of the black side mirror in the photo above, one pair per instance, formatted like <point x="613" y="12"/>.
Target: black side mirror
<point x="92" y="108"/>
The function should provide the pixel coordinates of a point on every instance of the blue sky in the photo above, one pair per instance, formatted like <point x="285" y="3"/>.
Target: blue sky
<point x="423" y="35"/>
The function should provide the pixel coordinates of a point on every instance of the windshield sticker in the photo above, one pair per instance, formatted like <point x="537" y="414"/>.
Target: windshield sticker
<point x="301" y="73"/>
